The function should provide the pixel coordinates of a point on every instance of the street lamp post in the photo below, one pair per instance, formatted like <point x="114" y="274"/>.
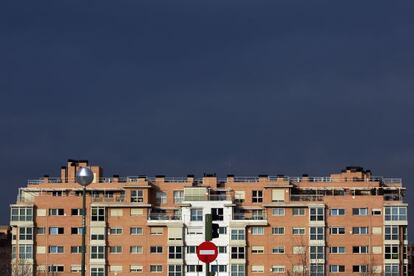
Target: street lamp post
<point x="84" y="177"/>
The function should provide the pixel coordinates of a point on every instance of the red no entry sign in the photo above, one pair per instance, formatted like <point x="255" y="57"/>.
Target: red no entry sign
<point x="207" y="252"/>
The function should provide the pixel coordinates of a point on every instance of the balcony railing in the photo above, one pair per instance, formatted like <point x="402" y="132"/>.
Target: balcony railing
<point x="162" y="216"/>
<point x="306" y="198"/>
<point x="114" y="199"/>
<point x="210" y="197"/>
<point x="249" y="216"/>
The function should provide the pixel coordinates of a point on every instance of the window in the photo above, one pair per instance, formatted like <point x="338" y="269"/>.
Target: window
<point x="194" y="268"/>
<point x="191" y="249"/>
<point x="278" y="269"/>
<point x="97" y="252"/>
<point x="298" y="231"/>
<point x="97" y="271"/>
<point x="257" y="196"/>
<point x="391" y="232"/>
<point x="257" y="249"/>
<point x="175" y="252"/>
<point x="237" y="234"/>
<point x="175" y="270"/>
<point x="376" y="212"/>
<point x="316" y="233"/>
<point x="298" y="250"/>
<point x="395" y="213"/>
<point x="56" y="268"/>
<point x="278" y="249"/>
<point x="317" y="270"/>
<point x="75" y="268"/>
<point x="237" y="252"/>
<point x="76" y="249"/>
<point x="135" y="231"/>
<point x="258" y="268"/>
<point x="278" y="230"/>
<point x="360" y="268"/>
<point x="360" y="249"/>
<point x="135" y="249"/>
<point x="40" y="230"/>
<point x="360" y="230"/>
<point x="391" y="252"/>
<point x="278" y="211"/>
<point x="55" y="249"/>
<point x="155" y="268"/>
<point x="56" y="230"/>
<point x="156" y="249"/>
<point x="196" y="214"/>
<point x="337" y="249"/>
<point x="97" y="237"/>
<point x="76" y="212"/>
<point x="25" y="251"/>
<point x="156" y="230"/>
<point x="317" y="252"/>
<point x="161" y="197"/>
<point x="257" y="230"/>
<point x="257" y="214"/>
<point x="222" y="249"/>
<point x="218" y="268"/>
<point x="115" y="249"/>
<point x="337" y="230"/>
<point x="360" y="211"/>
<point x="178" y="196"/>
<point x="137" y="196"/>
<point x="98" y="214"/>
<point x="317" y="214"/>
<point x="25" y="233"/>
<point x="336" y="268"/>
<point x="217" y="214"/>
<point x="337" y="212"/>
<point x="21" y="214"/>
<point x="76" y="230"/>
<point x="115" y="231"/>
<point x="391" y="270"/>
<point x="222" y="230"/>
<point x="56" y="212"/>
<point x="298" y="211"/>
<point x="136" y="268"/>
<point x="238" y="270"/>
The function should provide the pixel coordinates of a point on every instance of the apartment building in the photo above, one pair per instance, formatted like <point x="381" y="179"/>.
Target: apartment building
<point x="348" y="223"/>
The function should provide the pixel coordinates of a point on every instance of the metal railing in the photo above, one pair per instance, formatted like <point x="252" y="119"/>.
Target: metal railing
<point x="249" y="216"/>
<point x="210" y="197"/>
<point x="306" y="198"/>
<point x="163" y="216"/>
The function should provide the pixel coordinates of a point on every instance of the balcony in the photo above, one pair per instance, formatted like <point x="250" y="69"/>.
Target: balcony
<point x="114" y="199"/>
<point x="208" y="197"/>
<point x="306" y="198"/>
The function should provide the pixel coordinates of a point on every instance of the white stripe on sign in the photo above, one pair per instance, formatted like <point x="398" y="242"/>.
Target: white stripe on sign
<point x="207" y="252"/>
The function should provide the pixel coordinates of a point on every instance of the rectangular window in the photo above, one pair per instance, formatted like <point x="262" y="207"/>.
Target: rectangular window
<point x="317" y="214"/>
<point x="222" y="249"/>
<point x="115" y="249"/>
<point x="21" y="214"/>
<point x="115" y="231"/>
<point x="217" y="214"/>
<point x="25" y="251"/>
<point x="56" y="230"/>
<point x="238" y="270"/>
<point x="56" y="212"/>
<point x="257" y="230"/>
<point x="317" y="270"/>
<point x="298" y="231"/>
<point x="55" y="249"/>
<point x="98" y="214"/>
<point x="298" y="211"/>
<point x="360" y="230"/>
<point x="257" y="249"/>
<point x="136" y="249"/>
<point x="239" y="196"/>
<point x="278" y="269"/>
<point x="278" y="250"/>
<point x="161" y="197"/>
<point x="237" y="252"/>
<point x="196" y="214"/>
<point x="316" y="233"/>
<point x="337" y="250"/>
<point x="76" y="249"/>
<point x="317" y="252"/>
<point x="156" y="268"/>
<point x="191" y="249"/>
<point x="391" y="252"/>
<point x="336" y="268"/>
<point x="97" y="237"/>
<point x="156" y="230"/>
<point x="25" y="233"/>
<point x="360" y="211"/>
<point x="395" y="213"/>
<point x="257" y="196"/>
<point x="337" y="212"/>
<point x="135" y="231"/>
<point x="337" y="230"/>
<point x="360" y="249"/>
<point x="40" y="230"/>
<point x="76" y="230"/>
<point x="257" y="268"/>
<point x="97" y="252"/>
<point x="392" y="270"/>
<point x="194" y="268"/>
<point x="360" y="268"/>
<point x="76" y="212"/>
<point x="178" y="196"/>
<point x="218" y="268"/>
<point x="137" y="196"/>
<point x="175" y="252"/>
<point x="391" y="232"/>
<point x="136" y="268"/>
<point x="175" y="270"/>
<point x="56" y="268"/>
<point x="156" y="249"/>
<point x="222" y="230"/>
<point x="278" y="230"/>
<point x="278" y="211"/>
<point x="237" y="234"/>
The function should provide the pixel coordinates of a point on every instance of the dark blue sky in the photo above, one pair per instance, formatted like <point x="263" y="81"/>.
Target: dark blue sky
<point x="179" y="87"/>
